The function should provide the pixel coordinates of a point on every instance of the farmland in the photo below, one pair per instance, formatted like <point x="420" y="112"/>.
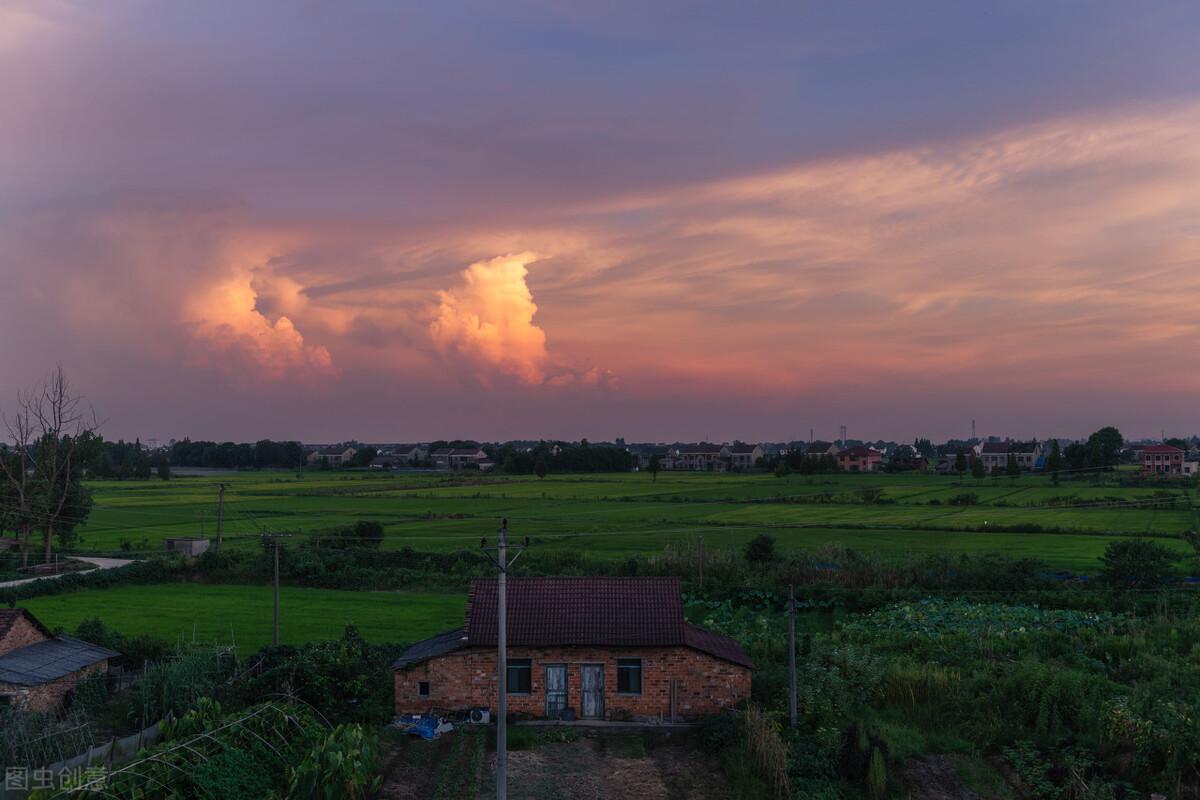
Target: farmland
<point x="242" y="615"/>
<point x="613" y="516"/>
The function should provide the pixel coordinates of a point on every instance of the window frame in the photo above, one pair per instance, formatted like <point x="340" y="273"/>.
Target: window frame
<point x="519" y="664"/>
<point x="428" y="689"/>
<point x="624" y="665"/>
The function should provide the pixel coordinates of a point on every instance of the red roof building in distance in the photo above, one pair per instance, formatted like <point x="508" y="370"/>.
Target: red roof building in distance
<point x="1162" y="459"/>
<point x="859" y="459"/>
<point x="605" y="648"/>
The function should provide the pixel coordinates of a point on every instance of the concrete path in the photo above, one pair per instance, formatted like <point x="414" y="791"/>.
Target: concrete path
<point x="101" y="563"/>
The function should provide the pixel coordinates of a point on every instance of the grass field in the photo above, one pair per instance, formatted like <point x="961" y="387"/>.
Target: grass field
<point x="612" y="516"/>
<point x="243" y="614"/>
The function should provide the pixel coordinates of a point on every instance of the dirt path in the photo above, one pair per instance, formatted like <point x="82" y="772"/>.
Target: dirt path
<point x="610" y="767"/>
<point x="100" y="563"/>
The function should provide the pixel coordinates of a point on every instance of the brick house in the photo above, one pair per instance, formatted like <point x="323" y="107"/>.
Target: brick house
<point x="606" y="648"/>
<point x="819" y="449"/>
<point x="859" y="459"/>
<point x="39" y="670"/>
<point x="1162" y="458"/>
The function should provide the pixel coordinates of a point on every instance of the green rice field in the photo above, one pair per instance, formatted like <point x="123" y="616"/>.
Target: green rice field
<point x="613" y="516"/>
<point x="243" y="615"/>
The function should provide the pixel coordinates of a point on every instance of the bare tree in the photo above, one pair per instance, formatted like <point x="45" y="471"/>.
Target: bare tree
<point x="46" y="431"/>
<point x="17" y="468"/>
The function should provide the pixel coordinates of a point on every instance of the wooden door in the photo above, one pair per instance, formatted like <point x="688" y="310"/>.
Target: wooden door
<point x="556" y="689"/>
<point x="592" y="691"/>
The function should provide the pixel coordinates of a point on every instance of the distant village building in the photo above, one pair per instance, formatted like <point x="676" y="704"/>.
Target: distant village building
<point x="333" y="455"/>
<point x="1162" y="459"/>
<point x="399" y="455"/>
<point x="744" y="457"/>
<point x="859" y="459"/>
<point x="605" y="648"/>
<point x="456" y="458"/>
<point x="188" y="545"/>
<point x="994" y="455"/>
<point x="907" y="458"/>
<point x="703" y="457"/>
<point x="38" y="670"/>
<point x="819" y="449"/>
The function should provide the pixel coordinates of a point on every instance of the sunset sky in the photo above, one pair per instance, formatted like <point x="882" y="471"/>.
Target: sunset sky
<point x="662" y="221"/>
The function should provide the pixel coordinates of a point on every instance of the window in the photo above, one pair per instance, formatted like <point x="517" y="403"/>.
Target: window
<point x="520" y="676"/>
<point x="629" y="676"/>
<point x="423" y="689"/>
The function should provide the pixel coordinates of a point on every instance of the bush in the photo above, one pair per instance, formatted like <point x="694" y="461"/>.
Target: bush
<point x="339" y="767"/>
<point x="760" y="549"/>
<point x="1137" y="563"/>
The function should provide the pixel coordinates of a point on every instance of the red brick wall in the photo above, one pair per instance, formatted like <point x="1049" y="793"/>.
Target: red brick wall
<point x="48" y="696"/>
<point x="22" y="634"/>
<point x="467" y="677"/>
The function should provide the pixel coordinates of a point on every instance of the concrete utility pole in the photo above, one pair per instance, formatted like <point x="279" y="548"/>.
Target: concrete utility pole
<point x="220" y="512"/>
<point x="792" y="653"/>
<point x="502" y="565"/>
<point x="275" y="638"/>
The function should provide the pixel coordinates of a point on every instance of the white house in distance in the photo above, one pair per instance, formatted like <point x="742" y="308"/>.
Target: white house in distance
<point x="456" y="458"/>
<point x="744" y="456"/>
<point x="334" y="455"/>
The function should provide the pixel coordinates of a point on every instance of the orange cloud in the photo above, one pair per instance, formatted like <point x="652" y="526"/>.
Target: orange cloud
<point x="488" y="319"/>
<point x="223" y="320"/>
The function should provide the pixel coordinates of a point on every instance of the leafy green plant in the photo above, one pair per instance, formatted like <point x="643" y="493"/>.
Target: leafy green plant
<point x="339" y="767"/>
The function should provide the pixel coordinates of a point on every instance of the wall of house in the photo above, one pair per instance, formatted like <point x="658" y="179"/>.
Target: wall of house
<point x="467" y="678"/>
<point x="47" y="696"/>
<point x="22" y="634"/>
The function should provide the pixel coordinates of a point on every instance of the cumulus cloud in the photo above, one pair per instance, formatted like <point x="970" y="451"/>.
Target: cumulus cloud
<point x="225" y="323"/>
<point x="488" y="319"/>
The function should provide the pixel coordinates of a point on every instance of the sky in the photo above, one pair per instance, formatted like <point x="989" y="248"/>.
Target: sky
<point x="661" y="221"/>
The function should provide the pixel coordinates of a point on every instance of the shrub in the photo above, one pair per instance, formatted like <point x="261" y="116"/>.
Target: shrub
<point x="339" y="767"/>
<point x="1137" y="563"/>
<point x="760" y="549"/>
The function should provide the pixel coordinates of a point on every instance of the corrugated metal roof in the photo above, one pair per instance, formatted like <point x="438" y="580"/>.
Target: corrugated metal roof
<point x="50" y="660"/>
<point x="432" y="647"/>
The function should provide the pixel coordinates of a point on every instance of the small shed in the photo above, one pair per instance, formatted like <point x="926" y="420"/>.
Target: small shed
<point x="40" y="670"/>
<point x="188" y="545"/>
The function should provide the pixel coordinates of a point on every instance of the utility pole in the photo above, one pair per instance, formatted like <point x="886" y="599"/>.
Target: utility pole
<point x="275" y="638"/>
<point x="792" y="653"/>
<point x="502" y="565"/>
<point x="220" y="511"/>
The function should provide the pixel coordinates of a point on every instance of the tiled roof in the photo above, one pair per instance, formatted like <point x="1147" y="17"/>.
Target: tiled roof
<point x="743" y="449"/>
<point x="50" y="660"/>
<point x="579" y="611"/>
<point x="699" y="449"/>
<point x="818" y="447"/>
<point x="465" y="451"/>
<point x="715" y="644"/>
<point x="995" y="448"/>
<point x="859" y="452"/>
<point x="564" y="612"/>
<point x="1022" y="447"/>
<point x="1161" y="448"/>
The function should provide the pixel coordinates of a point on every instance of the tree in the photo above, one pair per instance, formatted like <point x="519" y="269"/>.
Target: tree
<point x="960" y="462"/>
<point x="1012" y="468"/>
<point x="977" y="468"/>
<point x="1105" y="446"/>
<point x="760" y="549"/>
<point x="61" y="423"/>
<point x="1054" y="461"/>
<point x="653" y="467"/>
<point x="363" y="456"/>
<point x="782" y="470"/>
<point x="17" y="471"/>
<point x="164" y="468"/>
<point x="539" y="465"/>
<point x="1137" y="563"/>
